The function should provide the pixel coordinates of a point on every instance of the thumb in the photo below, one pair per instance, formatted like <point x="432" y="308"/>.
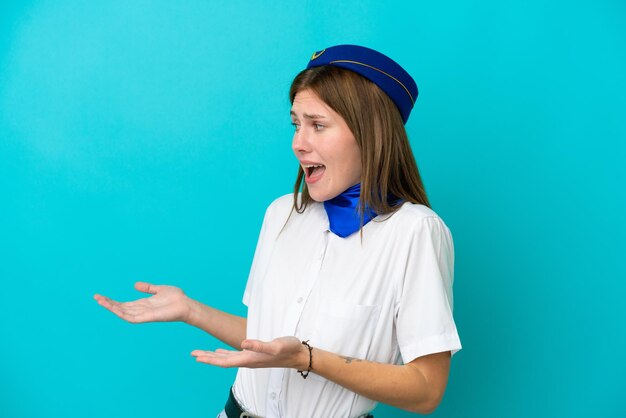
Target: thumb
<point x="147" y="287"/>
<point x="254" y="345"/>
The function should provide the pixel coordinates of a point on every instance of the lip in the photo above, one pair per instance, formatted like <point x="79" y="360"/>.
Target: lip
<point x="307" y="162"/>
<point x="313" y="179"/>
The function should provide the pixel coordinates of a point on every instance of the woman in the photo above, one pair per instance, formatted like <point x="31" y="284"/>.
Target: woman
<point x="337" y="320"/>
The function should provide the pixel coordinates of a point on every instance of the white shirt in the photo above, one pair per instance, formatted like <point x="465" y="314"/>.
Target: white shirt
<point x="385" y="298"/>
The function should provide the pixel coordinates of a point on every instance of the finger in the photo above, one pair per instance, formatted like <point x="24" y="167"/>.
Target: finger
<point x="137" y="304"/>
<point x="216" y="353"/>
<point x="139" y="317"/>
<point x="212" y="357"/>
<point x="115" y="307"/>
<point x="232" y="360"/>
<point x="133" y="317"/>
<point x="104" y="301"/>
<point x="208" y="360"/>
<point x="255" y="345"/>
<point x="109" y="303"/>
<point x="132" y="312"/>
<point x="134" y="307"/>
<point x="147" y="287"/>
<point x="119" y="311"/>
<point x="108" y="300"/>
<point x="248" y="359"/>
<point x="101" y="298"/>
<point x="196" y="353"/>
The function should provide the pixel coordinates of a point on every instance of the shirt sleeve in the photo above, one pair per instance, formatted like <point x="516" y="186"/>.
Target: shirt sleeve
<point x="424" y="321"/>
<point x="261" y="255"/>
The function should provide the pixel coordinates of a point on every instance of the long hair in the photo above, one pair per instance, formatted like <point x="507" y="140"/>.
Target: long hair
<point x="388" y="168"/>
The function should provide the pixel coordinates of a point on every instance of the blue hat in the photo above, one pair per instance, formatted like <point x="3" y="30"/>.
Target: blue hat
<point x="376" y="67"/>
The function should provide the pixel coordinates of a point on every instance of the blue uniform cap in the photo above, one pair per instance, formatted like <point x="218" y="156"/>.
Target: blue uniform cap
<point x="376" y="67"/>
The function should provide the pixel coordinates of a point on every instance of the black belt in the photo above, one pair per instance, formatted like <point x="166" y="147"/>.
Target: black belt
<point x="233" y="409"/>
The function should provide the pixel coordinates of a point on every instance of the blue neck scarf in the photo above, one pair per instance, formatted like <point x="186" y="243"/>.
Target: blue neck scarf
<point x="343" y="217"/>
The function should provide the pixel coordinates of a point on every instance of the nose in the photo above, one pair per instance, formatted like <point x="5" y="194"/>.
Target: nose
<point x="300" y="143"/>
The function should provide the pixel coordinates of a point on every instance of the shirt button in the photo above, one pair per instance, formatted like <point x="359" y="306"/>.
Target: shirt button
<point x="273" y="395"/>
<point x="299" y="300"/>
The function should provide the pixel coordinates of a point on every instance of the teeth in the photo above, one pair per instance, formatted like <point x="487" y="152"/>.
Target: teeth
<point x="311" y="167"/>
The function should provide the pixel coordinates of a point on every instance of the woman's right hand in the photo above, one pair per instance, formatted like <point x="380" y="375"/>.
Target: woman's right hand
<point x="167" y="303"/>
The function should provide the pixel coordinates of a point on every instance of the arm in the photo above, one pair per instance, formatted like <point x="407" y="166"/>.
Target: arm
<point x="228" y="328"/>
<point x="170" y="304"/>
<point x="417" y="386"/>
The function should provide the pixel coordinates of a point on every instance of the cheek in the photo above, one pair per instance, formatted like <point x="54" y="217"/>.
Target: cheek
<point x="356" y="168"/>
<point x="356" y="159"/>
<point x="352" y="163"/>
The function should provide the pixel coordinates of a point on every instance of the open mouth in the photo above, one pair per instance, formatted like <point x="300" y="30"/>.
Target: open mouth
<point x="313" y="172"/>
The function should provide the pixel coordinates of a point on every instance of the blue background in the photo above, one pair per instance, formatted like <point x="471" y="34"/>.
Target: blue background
<point x="142" y="140"/>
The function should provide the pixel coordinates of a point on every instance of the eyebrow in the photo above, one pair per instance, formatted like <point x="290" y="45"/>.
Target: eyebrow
<point x="309" y="116"/>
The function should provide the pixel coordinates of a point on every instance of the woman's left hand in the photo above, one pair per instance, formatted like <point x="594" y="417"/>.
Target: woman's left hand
<point x="283" y="352"/>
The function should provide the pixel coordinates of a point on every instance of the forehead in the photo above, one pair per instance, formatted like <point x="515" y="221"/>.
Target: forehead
<point x="309" y="101"/>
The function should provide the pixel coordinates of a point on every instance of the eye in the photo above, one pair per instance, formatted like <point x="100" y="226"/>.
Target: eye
<point x="318" y="126"/>
<point x="296" y="126"/>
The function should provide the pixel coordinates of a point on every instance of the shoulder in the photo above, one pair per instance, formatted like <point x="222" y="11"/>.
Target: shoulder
<point x="278" y="210"/>
<point x="416" y="210"/>
<point x="281" y="204"/>
<point x="415" y="224"/>
<point x="284" y="205"/>
<point x="282" y="216"/>
<point x="414" y="216"/>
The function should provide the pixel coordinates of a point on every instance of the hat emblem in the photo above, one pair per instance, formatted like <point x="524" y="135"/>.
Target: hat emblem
<point x="317" y="54"/>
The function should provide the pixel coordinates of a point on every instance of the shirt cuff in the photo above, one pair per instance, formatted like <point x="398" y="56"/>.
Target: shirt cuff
<point x="430" y="345"/>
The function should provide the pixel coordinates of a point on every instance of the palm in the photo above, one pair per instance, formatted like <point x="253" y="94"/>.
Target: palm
<point x="280" y="352"/>
<point x="167" y="303"/>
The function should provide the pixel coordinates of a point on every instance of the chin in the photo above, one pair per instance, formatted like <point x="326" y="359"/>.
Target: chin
<point x="317" y="198"/>
<point x="320" y="197"/>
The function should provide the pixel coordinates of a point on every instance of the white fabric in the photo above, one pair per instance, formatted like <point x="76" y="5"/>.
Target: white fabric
<point x="385" y="298"/>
